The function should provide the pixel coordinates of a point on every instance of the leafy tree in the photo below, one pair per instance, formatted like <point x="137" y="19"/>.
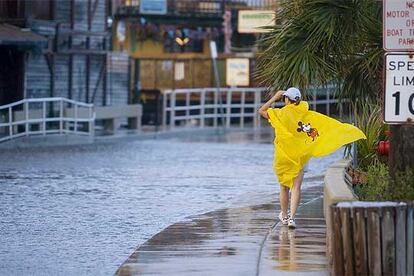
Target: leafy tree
<point x="316" y="42"/>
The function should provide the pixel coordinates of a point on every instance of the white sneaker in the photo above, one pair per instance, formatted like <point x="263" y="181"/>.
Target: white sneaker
<point x="284" y="220"/>
<point x="291" y="223"/>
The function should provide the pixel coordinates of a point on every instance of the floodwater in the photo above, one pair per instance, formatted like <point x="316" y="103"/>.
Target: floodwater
<point x="82" y="210"/>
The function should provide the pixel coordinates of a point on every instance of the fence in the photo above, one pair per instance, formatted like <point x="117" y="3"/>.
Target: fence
<point x="41" y="116"/>
<point x="374" y="238"/>
<point x="208" y="106"/>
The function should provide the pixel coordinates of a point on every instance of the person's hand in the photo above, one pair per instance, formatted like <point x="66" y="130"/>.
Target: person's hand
<point x="278" y="95"/>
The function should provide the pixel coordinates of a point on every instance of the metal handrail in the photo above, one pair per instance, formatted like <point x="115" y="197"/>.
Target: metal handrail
<point x="247" y="106"/>
<point x="68" y="118"/>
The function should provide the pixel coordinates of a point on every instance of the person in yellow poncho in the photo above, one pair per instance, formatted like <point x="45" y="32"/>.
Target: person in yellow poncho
<point x="299" y="135"/>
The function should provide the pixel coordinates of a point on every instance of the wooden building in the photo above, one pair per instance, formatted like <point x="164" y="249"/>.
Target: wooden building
<point x="60" y="48"/>
<point x="171" y="50"/>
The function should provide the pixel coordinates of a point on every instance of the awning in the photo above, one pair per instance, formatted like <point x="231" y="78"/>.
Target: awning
<point x="11" y="35"/>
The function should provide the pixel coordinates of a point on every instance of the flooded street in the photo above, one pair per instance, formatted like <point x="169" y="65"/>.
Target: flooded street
<point x="83" y="210"/>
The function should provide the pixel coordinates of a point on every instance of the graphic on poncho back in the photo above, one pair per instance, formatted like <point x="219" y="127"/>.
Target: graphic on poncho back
<point x="308" y="129"/>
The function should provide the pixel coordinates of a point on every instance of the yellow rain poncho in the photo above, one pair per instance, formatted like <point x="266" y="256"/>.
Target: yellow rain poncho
<point x="301" y="134"/>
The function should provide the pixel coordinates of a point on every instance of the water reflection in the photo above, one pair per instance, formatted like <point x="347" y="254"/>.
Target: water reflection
<point x="301" y="249"/>
<point x="228" y="242"/>
<point x="217" y="243"/>
<point x="298" y="250"/>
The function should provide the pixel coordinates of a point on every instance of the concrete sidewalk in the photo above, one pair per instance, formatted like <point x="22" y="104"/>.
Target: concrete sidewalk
<point x="238" y="241"/>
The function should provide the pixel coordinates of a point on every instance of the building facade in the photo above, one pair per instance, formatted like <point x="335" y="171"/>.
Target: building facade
<point x="169" y="40"/>
<point x="60" y="48"/>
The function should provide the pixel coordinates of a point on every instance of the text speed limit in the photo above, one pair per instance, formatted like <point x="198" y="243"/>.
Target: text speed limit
<point x="399" y="88"/>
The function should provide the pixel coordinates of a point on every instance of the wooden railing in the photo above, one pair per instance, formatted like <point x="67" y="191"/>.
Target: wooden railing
<point x="42" y="116"/>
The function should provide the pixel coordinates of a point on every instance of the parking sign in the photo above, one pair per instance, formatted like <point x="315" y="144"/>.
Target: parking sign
<point x="399" y="88"/>
<point x="398" y="29"/>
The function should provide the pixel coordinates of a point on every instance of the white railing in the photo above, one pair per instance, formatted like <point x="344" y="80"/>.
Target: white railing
<point x="42" y="116"/>
<point x="206" y="106"/>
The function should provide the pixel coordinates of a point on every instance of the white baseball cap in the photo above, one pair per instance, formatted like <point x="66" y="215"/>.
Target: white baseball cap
<point x="293" y="93"/>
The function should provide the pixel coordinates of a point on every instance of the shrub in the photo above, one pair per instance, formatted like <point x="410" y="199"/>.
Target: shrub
<point x="376" y="188"/>
<point x="380" y="187"/>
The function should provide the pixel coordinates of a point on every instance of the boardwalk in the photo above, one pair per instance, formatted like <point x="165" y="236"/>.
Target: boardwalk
<point x="237" y="241"/>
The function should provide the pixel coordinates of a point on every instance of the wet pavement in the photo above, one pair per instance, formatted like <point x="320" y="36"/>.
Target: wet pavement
<point x="82" y="210"/>
<point x="238" y="241"/>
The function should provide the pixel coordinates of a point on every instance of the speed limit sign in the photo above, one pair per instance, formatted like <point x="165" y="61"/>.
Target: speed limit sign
<point x="399" y="89"/>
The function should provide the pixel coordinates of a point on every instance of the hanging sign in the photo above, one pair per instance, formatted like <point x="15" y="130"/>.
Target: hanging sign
<point x="237" y="72"/>
<point x="252" y="21"/>
<point x="153" y="7"/>
<point x="398" y="29"/>
<point x="399" y="88"/>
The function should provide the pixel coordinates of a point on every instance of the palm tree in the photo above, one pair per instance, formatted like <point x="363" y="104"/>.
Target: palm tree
<point x="315" y="42"/>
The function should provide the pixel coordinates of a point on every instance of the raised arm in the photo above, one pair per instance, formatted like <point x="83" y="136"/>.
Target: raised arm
<point x="266" y="106"/>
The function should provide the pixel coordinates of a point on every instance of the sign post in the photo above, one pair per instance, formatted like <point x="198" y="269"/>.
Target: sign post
<point x="398" y="42"/>
<point x="213" y="52"/>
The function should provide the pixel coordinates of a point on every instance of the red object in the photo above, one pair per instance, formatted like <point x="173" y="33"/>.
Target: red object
<point x="383" y="147"/>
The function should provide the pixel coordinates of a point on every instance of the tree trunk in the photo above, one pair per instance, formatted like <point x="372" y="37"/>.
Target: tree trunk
<point x="401" y="156"/>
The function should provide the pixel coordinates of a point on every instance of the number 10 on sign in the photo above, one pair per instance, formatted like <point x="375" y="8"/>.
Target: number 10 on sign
<point x="399" y="89"/>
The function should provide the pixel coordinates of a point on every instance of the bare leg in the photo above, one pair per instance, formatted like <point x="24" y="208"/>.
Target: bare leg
<point x="284" y="200"/>
<point x="295" y="196"/>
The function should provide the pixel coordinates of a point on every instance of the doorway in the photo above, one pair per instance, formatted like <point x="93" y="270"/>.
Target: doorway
<point x="11" y="74"/>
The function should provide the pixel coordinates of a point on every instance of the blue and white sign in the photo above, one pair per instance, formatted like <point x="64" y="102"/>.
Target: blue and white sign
<point x="153" y="7"/>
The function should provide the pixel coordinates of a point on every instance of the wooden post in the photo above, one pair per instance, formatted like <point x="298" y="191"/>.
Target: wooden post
<point x="360" y="241"/>
<point x="347" y="241"/>
<point x="410" y="239"/>
<point x="400" y="233"/>
<point x="401" y="149"/>
<point x="388" y="241"/>
<point x="338" y="258"/>
<point x="374" y="241"/>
